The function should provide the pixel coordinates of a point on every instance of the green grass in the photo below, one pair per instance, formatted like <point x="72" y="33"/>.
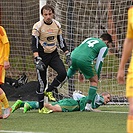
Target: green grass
<point x="68" y="122"/>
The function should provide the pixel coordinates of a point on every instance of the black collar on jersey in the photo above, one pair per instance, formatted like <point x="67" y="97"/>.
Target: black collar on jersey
<point x="48" y="23"/>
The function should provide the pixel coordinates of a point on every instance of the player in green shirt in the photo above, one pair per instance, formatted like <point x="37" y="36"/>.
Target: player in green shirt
<point x="87" y="59"/>
<point x="77" y="103"/>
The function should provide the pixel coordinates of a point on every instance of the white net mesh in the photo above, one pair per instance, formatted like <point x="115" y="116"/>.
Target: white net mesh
<point x="18" y="17"/>
<point x="79" y="19"/>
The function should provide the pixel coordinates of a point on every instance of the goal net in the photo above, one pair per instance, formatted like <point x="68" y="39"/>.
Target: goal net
<point x="83" y="19"/>
<point x="79" y="20"/>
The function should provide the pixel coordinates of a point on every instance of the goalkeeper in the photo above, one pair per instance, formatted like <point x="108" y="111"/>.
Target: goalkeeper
<point x="77" y="103"/>
<point x="46" y="35"/>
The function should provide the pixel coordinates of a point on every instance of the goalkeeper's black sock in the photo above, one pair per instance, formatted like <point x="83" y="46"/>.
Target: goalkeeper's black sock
<point x="41" y="100"/>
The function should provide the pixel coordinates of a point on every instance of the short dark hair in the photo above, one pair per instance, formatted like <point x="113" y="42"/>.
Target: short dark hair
<point x="107" y="36"/>
<point x="47" y="7"/>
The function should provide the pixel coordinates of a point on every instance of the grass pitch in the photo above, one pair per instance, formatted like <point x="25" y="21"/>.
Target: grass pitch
<point x="111" y="120"/>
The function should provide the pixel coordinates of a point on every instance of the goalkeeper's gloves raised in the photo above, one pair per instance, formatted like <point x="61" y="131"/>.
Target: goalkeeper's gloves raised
<point x="68" y="59"/>
<point x="39" y="64"/>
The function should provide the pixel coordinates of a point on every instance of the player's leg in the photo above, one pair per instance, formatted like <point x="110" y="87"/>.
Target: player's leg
<point x="88" y="70"/>
<point x="5" y="102"/>
<point x="3" y="97"/>
<point x="17" y="105"/>
<point x="130" y="116"/>
<point x="41" y="87"/>
<point x="91" y="92"/>
<point x="1" y="116"/>
<point x="66" y="105"/>
<point x="29" y="105"/>
<point x="129" y="95"/>
<point x="57" y="64"/>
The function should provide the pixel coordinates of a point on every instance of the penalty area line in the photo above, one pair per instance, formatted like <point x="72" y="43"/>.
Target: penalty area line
<point x="115" y="112"/>
<point x="5" y="131"/>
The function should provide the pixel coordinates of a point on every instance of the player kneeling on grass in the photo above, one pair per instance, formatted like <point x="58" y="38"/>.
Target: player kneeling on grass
<point x="77" y="103"/>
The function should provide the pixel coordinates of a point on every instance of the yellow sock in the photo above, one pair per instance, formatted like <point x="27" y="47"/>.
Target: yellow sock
<point x="0" y="108"/>
<point x="4" y="100"/>
<point x="130" y="124"/>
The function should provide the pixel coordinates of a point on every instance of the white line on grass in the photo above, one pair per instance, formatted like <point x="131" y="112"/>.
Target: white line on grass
<point x="114" y="112"/>
<point x="5" y="131"/>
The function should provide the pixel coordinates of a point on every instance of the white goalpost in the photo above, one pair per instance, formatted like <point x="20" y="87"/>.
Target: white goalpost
<point x="79" y="20"/>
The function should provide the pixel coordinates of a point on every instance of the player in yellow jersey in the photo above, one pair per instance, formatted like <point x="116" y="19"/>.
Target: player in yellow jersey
<point x="127" y="50"/>
<point x="4" y="64"/>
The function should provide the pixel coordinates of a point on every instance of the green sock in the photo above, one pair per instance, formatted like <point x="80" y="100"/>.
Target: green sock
<point x="33" y="104"/>
<point x="22" y="104"/>
<point x="91" y="93"/>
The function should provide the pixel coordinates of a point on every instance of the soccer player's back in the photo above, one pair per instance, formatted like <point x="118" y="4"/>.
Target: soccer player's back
<point x="88" y="49"/>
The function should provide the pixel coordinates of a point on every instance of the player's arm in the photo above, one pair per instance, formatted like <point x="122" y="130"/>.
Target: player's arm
<point x="6" y="56"/>
<point x="62" y="43"/>
<point x="99" y="62"/>
<point x="35" y="43"/>
<point x="7" y="51"/>
<point x="6" y="44"/>
<point x="128" y="43"/>
<point x="77" y="95"/>
<point x="60" y="38"/>
<point x="35" y="40"/>
<point x="96" y="110"/>
<point x="127" y="50"/>
<point x="63" y="46"/>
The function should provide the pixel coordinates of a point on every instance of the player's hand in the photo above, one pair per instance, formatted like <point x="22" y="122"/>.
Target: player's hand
<point x="6" y="65"/>
<point x="81" y="77"/>
<point x="120" y="76"/>
<point x="39" y="64"/>
<point x="68" y="59"/>
<point x="88" y="107"/>
<point x="96" y="110"/>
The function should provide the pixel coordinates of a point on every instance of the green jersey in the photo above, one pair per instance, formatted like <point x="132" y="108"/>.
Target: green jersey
<point x="84" y="57"/>
<point x="70" y="105"/>
<point x="90" y="49"/>
<point x="96" y="102"/>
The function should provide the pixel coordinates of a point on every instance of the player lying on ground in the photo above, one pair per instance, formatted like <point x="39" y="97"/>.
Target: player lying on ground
<point x="77" y="103"/>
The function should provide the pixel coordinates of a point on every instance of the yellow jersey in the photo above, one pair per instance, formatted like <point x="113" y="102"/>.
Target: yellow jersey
<point x="4" y="46"/>
<point x="129" y="82"/>
<point x="130" y="23"/>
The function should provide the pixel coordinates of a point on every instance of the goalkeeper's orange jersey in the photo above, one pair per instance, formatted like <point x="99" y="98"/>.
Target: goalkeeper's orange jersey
<point x="4" y="46"/>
